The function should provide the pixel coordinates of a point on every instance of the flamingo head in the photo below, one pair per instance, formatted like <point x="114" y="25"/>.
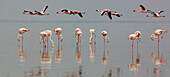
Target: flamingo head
<point x="152" y="36"/>
<point x="104" y="33"/>
<point x="163" y="32"/>
<point x="134" y="11"/>
<point x="97" y="11"/>
<point x="79" y="33"/>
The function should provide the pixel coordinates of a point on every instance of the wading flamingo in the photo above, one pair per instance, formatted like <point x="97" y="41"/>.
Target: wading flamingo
<point x="42" y="36"/>
<point x="92" y="31"/>
<point x="143" y="10"/>
<point x="22" y="31"/>
<point x="156" y="34"/>
<point x="105" y="37"/>
<point x="138" y="37"/>
<point x="58" y="32"/>
<point x="49" y="32"/>
<point x="156" y="14"/>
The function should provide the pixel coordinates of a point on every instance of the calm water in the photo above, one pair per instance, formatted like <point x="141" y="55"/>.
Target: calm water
<point x="27" y="63"/>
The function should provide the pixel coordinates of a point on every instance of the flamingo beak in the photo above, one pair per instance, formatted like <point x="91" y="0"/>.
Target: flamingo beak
<point x="152" y="38"/>
<point x="61" y="39"/>
<point x="18" y="39"/>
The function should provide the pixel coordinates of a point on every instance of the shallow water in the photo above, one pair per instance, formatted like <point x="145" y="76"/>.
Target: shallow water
<point x="15" y="62"/>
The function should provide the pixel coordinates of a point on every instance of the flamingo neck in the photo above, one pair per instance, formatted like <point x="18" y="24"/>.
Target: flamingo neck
<point x="52" y="42"/>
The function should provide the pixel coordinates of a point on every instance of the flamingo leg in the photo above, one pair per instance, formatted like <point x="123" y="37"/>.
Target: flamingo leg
<point x="22" y="38"/>
<point x="43" y="46"/>
<point x="95" y="43"/>
<point x="158" y="46"/>
<point x="104" y="43"/>
<point x="47" y="42"/>
<point x="132" y="51"/>
<point x="92" y="43"/>
<point x="137" y="48"/>
<point x="58" y="42"/>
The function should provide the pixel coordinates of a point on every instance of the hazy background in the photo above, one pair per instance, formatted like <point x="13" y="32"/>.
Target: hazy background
<point x="12" y="18"/>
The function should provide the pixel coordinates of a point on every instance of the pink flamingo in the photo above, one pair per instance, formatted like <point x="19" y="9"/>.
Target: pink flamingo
<point x="132" y="37"/>
<point x="156" y="34"/>
<point x="137" y="33"/>
<point x="36" y="12"/>
<point x="49" y="32"/>
<point x="105" y="37"/>
<point x="58" y="32"/>
<point x="22" y="31"/>
<point x="143" y="10"/>
<point x="42" y="36"/>
<point x="156" y="14"/>
<point x="79" y="13"/>
<point x="112" y="13"/>
<point x="65" y="11"/>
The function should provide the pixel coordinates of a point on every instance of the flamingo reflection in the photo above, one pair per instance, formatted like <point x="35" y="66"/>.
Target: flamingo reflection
<point x="92" y="52"/>
<point x="154" y="72"/>
<point x="134" y="66"/>
<point x="76" y="73"/>
<point x="58" y="55"/>
<point x="158" y="60"/>
<point x="44" y="57"/>
<point x="156" y="34"/>
<point x="113" y="72"/>
<point x="23" y="56"/>
<point x="37" y="71"/>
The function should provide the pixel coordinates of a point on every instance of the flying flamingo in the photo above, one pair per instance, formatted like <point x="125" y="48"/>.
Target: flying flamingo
<point x="112" y="13"/>
<point x="49" y="32"/>
<point x="22" y="31"/>
<point x="143" y="10"/>
<point x="156" y="34"/>
<point x="108" y="12"/>
<point x="156" y="14"/>
<point x="65" y="11"/>
<point x="36" y="12"/>
<point x="79" y="13"/>
<point x="42" y="11"/>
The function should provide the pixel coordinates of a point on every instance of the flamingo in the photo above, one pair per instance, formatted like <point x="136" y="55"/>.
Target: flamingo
<point x="42" y="11"/>
<point x="78" y="33"/>
<point x="79" y="13"/>
<point x="112" y="13"/>
<point x="58" y="32"/>
<point x="36" y="12"/>
<point x="105" y="37"/>
<point x="137" y="33"/>
<point x="143" y="10"/>
<point x="65" y="11"/>
<point x="49" y="32"/>
<point x="42" y="35"/>
<point x="108" y="12"/>
<point x="22" y="31"/>
<point x="156" y="14"/>
<point x="156" y="34"/>
<point x="92" y="31"/>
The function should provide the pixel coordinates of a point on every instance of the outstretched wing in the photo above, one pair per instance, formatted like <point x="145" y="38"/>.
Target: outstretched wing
<point x="110" y="16"/>
<point x="102" y="12"/>
<point x="44" y="9"/>
<point x="159" y="12"/>
<point x="143" y="8"/>
<point x="80" y="15"/>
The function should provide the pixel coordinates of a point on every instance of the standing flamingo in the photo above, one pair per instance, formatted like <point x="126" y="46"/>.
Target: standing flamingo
<point x="105" y="37"/>
<point x="49" y="32"/>
<point x="58" y="32"/>
<point x="92" y="31"/>
<point x="137" y="33"/>
<point x="42" y="35"/>
<point x="156" y="34"/>
<point x="22" y="31"/>
<point x="132" y="37"/>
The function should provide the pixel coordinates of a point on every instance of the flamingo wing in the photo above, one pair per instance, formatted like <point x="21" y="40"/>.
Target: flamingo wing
<point x="109" y="14"/>
<point x="102" y="12"/>
<point x="143" y="8"/>
<point x="27" y="11"/>
<point x="44" y="9"/>
<point x="80" y="15"/>
<point x="159" y="12"/>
